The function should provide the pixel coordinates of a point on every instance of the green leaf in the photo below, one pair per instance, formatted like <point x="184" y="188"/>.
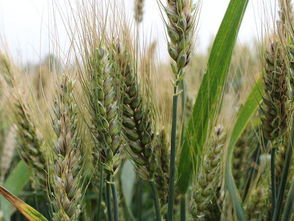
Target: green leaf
<point x="29" y="212"/>
<point x="15" y="183"/>
<point x="128" y="178"/>
<point x="243" y="117"/>
<point x="209" y="99"/>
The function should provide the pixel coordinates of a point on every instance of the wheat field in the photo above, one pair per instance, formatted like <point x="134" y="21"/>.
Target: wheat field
<point x="105" y="131"/>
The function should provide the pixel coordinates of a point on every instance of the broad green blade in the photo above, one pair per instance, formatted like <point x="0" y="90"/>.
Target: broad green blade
<point x="15" y="183"/>
<point x="128" y="178"/>
<point x="209" y="99"/>
<point x="245" y="113"/>
<point x="29" y="212"/>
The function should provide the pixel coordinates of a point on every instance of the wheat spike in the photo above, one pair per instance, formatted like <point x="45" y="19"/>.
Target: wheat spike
<point x="204" y="204"/>
<point x="162" y="160"/>
<point x="65" y="176"/>
<point x="138" y="124"/>
<point x="30" y="145"/>
<point x="274" y="109"/>
<point x="139" y="5"/>
<point x="104" y="110"/>
<point x="180" y="29"/>
<point x="258" y="204"/>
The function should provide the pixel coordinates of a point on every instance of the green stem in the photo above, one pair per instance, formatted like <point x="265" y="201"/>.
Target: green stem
<point x="273" y="178"/>
<point x="108" y="198"/>
<point x="100" y="192"/>
<point x="171" y="190"/>
<point x="115" y="200"/>
<point x="289" y="204"/>
<point x="156" y="201"/>
<point x="284" y="177"/>
<point x="183" y="208"/>
<point x="140" y="200"/>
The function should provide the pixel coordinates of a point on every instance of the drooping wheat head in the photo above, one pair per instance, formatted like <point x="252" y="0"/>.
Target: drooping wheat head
<point x="66" y="182"/>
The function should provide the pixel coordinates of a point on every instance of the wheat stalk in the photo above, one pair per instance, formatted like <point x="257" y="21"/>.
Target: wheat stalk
<point x="65" y="173"/>
<point x="180" y="29"/>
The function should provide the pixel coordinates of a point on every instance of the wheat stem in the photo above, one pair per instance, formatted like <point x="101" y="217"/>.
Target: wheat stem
<point x="282" y="186"/>
<point x="115" y="201"/>
<point x="183" y="208"/>
<point x="108" y="199"/>
<point x="172" y="166"/>
<point x="273" y="177"/>
<point x="101" y="182"/>
<point x="156" y="201"/>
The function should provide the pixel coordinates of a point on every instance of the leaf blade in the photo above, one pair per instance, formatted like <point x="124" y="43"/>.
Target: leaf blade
<point x="245" y="113"/>
<point x="29" y="212"/>
<point x="15" y="183"/>
<point x="207" y="103"/>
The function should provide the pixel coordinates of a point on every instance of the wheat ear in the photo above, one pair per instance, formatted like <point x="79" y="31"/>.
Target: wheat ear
<point x="30" y="145"/>
<point x="65" y="176"/>
<point x="204" y="204"/>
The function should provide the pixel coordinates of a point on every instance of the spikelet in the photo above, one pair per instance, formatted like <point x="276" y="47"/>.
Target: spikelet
<point x="258" y="204"/>
<point x="139" y="5"/>
<point x="239" y="161"/>
<point x="65" y="173"/>
<point x="8" y="152"/>
<point x="104" y="110"/>
<point x="180" y="29"/>
<point x="204" y="203"/>
<point x="30" y="145"/>
<point x="138" y="124"/>
<point x="275" y="108"/>
<point x="162" y="160"/>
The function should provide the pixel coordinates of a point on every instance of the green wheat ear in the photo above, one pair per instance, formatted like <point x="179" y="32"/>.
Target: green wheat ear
<point x="66" y="180"/>
<point x="30" y="145"/>
<point x="105" y="109"/>
<point x="274" y="108"/>
<point x="206" y="192"/>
